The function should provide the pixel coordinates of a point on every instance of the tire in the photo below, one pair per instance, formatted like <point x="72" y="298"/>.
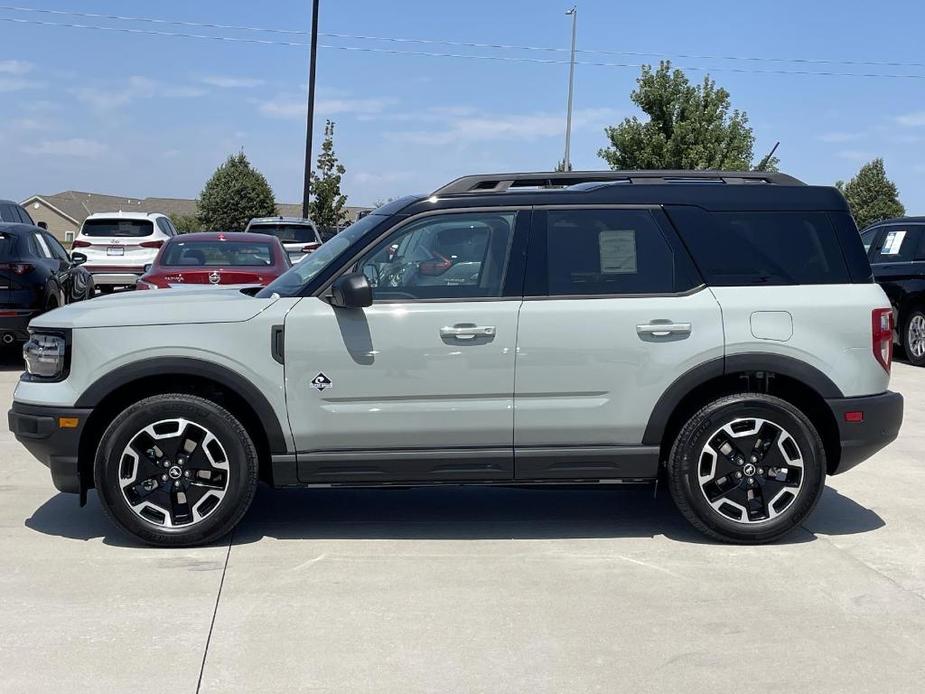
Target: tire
<point x="204" y="489"/>
<point x="914" y="336"/>
<point x="787" y="479"/>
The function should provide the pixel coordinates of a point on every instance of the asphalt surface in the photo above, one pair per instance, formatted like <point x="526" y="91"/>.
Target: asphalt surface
<point x="469" y="590"/>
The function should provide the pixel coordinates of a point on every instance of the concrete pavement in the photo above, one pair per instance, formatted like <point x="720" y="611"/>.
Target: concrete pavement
<point x="469" y="590"/>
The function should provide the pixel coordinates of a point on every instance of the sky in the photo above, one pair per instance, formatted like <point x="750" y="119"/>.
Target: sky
<point x="134" y="114"/>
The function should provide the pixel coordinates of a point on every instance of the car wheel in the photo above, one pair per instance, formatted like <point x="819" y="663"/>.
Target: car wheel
<point x="747" y="468"/>
<point x="914" y="337"/>
<point x="176" y="470"/>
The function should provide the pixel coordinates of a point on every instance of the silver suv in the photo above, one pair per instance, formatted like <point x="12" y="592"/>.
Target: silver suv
<point x="719" y="329"/>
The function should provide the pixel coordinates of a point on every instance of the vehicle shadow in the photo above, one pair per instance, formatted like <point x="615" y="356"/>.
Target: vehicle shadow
<point x="455" y="513"/>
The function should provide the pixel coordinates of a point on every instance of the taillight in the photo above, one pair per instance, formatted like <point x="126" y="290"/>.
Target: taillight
<point x="151" y="244"/>
<point x="311" y="247"/>
<point x="881" y="335"/>
<point x="81" y="244"/>
<point x="16" y="268"/>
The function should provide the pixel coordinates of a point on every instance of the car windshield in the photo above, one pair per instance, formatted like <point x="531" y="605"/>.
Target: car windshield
<point x="292" y="281"/>
<point x="115" y="228"/>
<point x="287" y="233"/>
<point x="217" y="254"/>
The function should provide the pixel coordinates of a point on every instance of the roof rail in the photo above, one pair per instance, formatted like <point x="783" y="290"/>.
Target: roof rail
<point x="502" y="182"/>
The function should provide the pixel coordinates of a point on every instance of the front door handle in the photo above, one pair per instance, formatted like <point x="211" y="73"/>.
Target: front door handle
<point x="468" y="332"/>
<point x="663" y="329"/>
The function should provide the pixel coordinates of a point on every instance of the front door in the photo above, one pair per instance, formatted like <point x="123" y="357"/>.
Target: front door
<point x="617" y="314"/>
<point x="420" y="385"/>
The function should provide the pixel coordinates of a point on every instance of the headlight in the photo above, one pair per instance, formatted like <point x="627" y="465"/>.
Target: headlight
<point x="46" y="356"/>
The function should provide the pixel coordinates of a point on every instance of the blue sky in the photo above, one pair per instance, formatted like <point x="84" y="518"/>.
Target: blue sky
<point x="142" y="115"/>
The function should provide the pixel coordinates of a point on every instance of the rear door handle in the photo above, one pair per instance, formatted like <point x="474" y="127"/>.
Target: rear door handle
<point x="663" y="329"/>
<point x="468" y="332"/>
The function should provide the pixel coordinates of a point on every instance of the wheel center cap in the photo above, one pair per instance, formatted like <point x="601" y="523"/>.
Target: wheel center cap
<point x="175" y="473"/>
<point x="749" y="469"/>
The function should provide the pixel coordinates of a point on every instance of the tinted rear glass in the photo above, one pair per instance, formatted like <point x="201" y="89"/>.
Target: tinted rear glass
<point x="7" y="246"/>
<point x="287" y="233"/>
<point x="762" y="248"/>
<point x="217" y="254"/>
<point x="118" y="228"/>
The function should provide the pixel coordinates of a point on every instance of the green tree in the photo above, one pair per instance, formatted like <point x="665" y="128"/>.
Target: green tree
<point x="326" y="206"/>
<point x="560" y="166"/>
<point x="688" y="127"/>
<point x="235" y="194"/>
<point x="871" y="195"/>
<point x="186" y="223"/>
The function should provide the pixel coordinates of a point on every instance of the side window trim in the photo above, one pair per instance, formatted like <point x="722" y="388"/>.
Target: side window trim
<point x="44" y="250"/>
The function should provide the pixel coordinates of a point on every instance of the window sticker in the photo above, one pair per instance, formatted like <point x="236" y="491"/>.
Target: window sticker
<point x="893" y="242"/>
<point x="618" y="251"/>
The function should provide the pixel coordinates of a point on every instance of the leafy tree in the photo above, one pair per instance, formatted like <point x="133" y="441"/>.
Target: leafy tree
<point x="326" y="207"/>
<point x="560" y="166"/>
<point x="871" y="195"/>
<point x="186" y="223"/>
<point x="235" y="194"/>
<point x="688" y="127"/>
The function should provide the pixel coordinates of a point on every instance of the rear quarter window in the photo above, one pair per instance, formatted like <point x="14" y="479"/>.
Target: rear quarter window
<point x="8" y="245"/>
<point x="763" y="248"/>
<point x="118" y="228"/>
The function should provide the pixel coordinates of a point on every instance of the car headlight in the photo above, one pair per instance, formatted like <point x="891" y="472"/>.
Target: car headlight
<point x="46" y="356"/>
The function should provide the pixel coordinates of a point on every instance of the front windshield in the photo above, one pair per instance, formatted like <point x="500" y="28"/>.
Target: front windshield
<point x="291" y="282"/>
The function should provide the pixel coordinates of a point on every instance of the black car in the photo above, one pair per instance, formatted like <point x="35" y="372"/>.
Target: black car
<point x="36" y="273"/>
<point x="896" y="249"/>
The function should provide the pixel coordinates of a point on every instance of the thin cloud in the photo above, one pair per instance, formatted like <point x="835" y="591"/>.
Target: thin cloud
<point x="15" y="67"/>
<point x="290" y="108"/>
<point x="914" y="120"/>
<point x="855" y="155"/>
<point x="74" y="147"/>
<point x="837" y="137"/>
<point x="230" y="82"/>
<point x="137" y="87"/>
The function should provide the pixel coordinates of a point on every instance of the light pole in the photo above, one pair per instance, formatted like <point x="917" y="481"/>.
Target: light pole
<point x="567" y="162"/>
<point x="311" y="111"/>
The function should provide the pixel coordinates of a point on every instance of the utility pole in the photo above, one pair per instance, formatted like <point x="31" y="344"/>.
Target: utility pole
<point x="310" y="118"/>
<point x="567" y="162"/>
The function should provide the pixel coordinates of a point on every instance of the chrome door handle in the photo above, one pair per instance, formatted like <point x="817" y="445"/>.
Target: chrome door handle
<point x="663" y="329"/>
<point x="468" y="332"/>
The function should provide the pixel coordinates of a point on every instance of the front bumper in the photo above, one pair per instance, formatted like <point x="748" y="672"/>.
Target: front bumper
<point x="882" y="416"/>
<point x="39" y="430"/>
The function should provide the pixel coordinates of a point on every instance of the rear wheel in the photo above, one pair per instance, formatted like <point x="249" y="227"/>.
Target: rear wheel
<point x="914" y="337"/>
<point x="176" y="470"/>
<point x="747" y="468"/>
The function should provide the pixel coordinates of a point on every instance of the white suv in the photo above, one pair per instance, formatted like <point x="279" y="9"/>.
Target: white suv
<point x="118" y="245"/>
<point x="298" y="236"/>
<point x="720" y="330"/>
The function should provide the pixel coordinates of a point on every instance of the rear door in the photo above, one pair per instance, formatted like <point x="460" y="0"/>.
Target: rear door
<point x="614" y="313"/>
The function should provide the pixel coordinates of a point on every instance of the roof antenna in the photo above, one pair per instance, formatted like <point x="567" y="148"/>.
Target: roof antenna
<point x="763" y="164"/>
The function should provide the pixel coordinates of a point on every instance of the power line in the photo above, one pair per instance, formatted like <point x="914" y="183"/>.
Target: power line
<point x="434" y="54"/>
<point x="461" y="44"/>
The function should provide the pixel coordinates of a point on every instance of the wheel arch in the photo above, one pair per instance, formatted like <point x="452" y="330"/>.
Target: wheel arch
<point x="117" y="389"/>
<point x="798" y="383"/>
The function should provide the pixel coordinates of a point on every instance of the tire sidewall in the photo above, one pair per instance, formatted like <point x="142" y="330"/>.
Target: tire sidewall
<point x="242" y="468"/>
<point x="916" y="361"/>
<point x="686" y="458"/>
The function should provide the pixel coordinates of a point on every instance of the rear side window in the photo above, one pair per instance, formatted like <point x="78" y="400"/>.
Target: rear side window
<point x="899" y="243"/>
<point x="164" y="226"/>
<point x="118" y="228"/>
<point x="607" y="252"/>
<point x="763" y="248"/>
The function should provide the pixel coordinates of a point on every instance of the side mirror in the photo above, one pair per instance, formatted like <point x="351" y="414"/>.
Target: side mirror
<point x="78" y="258"/>
<point x="147" y="267"/>
<point x="42" y="225"/>
<point x="351" y="291"/>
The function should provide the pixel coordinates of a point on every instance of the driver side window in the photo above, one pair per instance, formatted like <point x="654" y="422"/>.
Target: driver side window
<point x="448" y="256"/>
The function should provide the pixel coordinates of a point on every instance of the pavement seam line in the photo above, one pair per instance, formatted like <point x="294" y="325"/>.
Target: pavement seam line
<point x="218" y="597"/>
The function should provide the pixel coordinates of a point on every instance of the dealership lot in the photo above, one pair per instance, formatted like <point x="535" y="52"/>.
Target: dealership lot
<point x="469" y="590"/>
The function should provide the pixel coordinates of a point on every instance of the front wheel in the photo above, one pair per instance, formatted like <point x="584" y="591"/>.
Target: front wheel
<point x="747" y="468"/>
<point x="176" y="470"/>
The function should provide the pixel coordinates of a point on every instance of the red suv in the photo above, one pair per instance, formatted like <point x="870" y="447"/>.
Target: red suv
<point x="217" y="258"/>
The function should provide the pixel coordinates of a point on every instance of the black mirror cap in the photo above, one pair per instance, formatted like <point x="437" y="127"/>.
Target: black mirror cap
<point x="78" y="258"/>
<point x="42" y="225"/>
<point x="352" y="291"/>
<point x="147" y="267"/>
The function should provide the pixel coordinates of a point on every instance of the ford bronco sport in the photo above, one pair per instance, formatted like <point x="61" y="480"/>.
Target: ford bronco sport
<point x="720" y="329"/>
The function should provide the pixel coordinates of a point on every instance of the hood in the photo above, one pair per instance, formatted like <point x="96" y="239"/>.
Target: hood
<point x="158" y="307"/>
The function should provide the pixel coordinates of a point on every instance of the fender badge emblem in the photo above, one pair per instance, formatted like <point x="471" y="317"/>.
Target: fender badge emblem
<point x="320" y="382"/>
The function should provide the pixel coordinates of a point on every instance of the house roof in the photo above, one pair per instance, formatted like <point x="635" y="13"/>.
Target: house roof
<point x="78" y="205"/>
